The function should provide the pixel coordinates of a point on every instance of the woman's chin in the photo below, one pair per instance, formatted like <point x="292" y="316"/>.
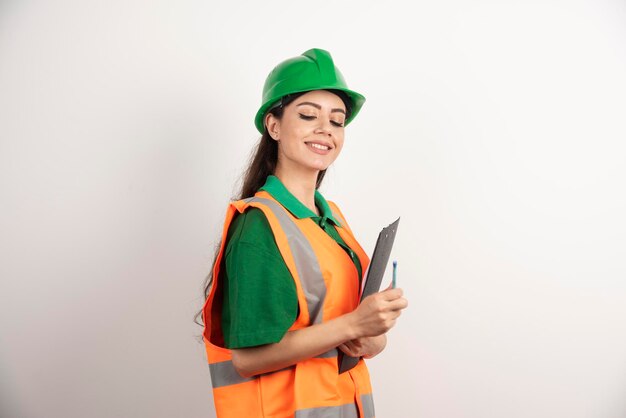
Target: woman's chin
<point x="320" y="165"/>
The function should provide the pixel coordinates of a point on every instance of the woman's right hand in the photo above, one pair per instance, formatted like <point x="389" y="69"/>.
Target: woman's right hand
<point x="377" y="313"/>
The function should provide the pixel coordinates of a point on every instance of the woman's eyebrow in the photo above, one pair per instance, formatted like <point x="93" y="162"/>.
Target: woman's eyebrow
<point x="315" y="105"/>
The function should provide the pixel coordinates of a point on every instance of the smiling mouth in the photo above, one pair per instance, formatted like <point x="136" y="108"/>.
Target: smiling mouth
<point x="318" y="146"/>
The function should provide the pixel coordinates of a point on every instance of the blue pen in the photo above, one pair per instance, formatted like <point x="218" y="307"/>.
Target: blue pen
<point x="393" y="280"/>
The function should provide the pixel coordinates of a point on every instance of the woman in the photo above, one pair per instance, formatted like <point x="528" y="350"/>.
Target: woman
<point x="287" y="278"/>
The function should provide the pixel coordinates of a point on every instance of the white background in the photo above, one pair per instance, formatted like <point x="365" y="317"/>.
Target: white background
<point x="496" y="130"/>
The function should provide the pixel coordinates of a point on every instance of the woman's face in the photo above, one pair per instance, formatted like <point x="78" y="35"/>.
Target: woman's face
<point x="310" y="133"/>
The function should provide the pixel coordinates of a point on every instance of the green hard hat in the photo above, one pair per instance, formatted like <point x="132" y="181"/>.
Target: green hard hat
<point x="313" y="70"/>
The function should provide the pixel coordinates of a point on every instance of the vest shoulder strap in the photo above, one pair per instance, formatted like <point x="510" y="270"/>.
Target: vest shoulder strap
<point x="298" y="254"/>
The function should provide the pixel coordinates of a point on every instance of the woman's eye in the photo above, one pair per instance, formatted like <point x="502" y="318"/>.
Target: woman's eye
<point x="311" y="117"/>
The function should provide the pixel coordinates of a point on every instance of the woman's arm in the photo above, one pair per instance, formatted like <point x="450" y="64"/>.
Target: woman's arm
<point x="375" y="316"/>
<point x="366" y="347"/>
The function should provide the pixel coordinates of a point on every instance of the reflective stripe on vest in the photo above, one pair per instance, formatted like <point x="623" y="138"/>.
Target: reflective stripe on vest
<point x="368" y="405"/>
<point x="341" y="411"/>
<point x="303" y="255"/>
<point x="224" y="373"/>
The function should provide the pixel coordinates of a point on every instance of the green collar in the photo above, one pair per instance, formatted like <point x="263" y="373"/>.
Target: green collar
<point x="277" y="189"/>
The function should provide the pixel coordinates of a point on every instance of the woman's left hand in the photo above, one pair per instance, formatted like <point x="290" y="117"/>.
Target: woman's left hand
<point x="366" y="347"/>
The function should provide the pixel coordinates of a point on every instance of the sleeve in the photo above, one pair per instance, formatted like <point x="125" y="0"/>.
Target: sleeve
<point x="260" y="300"/>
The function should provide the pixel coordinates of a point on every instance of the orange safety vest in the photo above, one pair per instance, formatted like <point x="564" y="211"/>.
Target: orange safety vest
<point x="327" y="286"/>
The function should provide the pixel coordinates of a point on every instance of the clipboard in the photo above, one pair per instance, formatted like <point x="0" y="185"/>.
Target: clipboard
<point x="373" y="279"/>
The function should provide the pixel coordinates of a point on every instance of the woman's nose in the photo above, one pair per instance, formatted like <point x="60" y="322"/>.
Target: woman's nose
<point x="324" y="127"/>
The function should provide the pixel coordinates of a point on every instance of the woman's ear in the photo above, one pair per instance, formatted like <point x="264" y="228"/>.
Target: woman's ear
<point x="272" y="123"/>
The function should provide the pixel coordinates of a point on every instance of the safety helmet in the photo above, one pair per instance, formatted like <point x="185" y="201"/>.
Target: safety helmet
<point x="313" y="70"/>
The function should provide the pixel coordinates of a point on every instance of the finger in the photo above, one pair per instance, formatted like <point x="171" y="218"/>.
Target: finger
<point x="395" y="312"/>
<point x="392" y="294"/>
<point x="353" y="346"/>
<point x="347" y="350"/>
<point x="392" y="316"/>
<point x="356" y="344"/>
<point x="398" y="304"/>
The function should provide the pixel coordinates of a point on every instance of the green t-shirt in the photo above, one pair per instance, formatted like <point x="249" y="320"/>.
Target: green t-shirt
<point x="260" y="300"/>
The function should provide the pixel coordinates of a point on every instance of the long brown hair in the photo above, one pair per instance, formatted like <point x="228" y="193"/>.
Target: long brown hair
<point x="263" y="161"/>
